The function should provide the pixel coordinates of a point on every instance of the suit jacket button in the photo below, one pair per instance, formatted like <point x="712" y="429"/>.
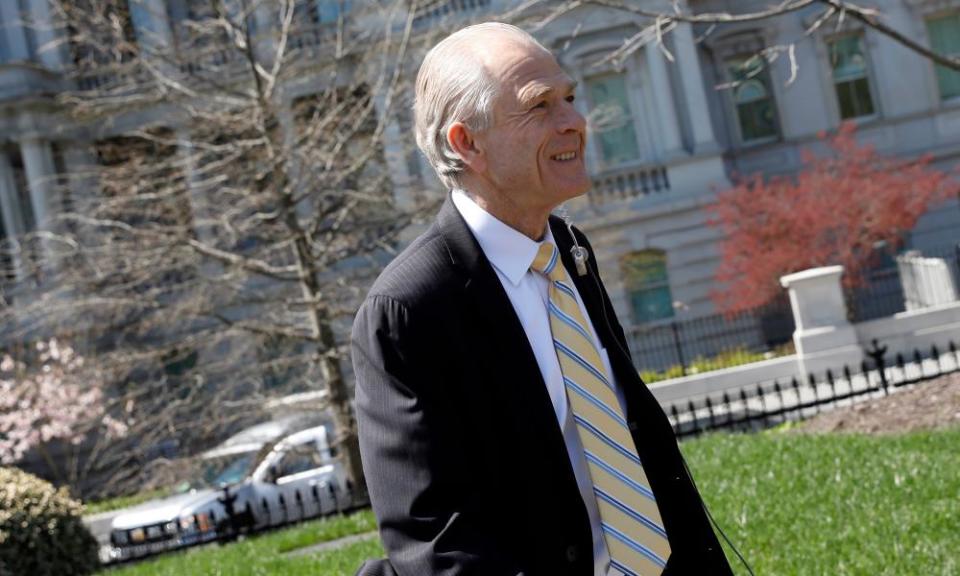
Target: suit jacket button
<point x="572" y="553"/>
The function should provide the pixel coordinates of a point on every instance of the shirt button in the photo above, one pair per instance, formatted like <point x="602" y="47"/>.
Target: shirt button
<point x="572" y="554"/>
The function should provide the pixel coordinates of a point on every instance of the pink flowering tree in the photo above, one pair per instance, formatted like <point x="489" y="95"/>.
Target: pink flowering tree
<point x="51" y="397"/>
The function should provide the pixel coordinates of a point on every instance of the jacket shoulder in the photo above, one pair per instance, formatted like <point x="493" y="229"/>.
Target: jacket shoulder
<point x="421" y="273"/>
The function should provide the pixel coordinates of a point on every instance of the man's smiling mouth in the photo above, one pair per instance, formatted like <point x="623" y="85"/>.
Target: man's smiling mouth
<point x="564" y="157"/>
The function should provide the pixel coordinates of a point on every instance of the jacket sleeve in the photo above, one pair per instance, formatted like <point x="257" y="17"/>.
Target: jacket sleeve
<point x="412" y="459"/>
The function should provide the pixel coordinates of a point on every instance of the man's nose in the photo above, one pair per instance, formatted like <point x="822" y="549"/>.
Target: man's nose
<point x="571" y="120"/>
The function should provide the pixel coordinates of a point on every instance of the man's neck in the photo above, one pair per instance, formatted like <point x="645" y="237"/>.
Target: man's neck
<point x="530" y="223"/>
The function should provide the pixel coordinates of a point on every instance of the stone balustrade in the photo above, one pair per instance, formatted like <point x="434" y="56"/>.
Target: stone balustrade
<point x="626" y="184"/>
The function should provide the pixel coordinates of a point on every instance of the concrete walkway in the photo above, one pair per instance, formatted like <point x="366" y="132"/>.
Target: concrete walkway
<point x="332" y="544"/>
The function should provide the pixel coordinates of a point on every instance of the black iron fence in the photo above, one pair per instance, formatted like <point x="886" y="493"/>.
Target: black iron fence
<point x="768" y="404"/>
<point x="676" y="343"/>
<point x="679" y="342"/>
<point x="881" y="295"/>
<point x="236" y="512"/>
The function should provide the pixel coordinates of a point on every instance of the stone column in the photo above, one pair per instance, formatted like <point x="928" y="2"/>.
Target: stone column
<point x="691" y="78"/>
<point x="13" y="222"/>
<point x="41" y="178"/>
<point x="14" y="32"/>
<point x="201" y="210"/>
<point x="670" y="144"/>
<point x="9" y="199"/>
<point x="824" y="338"/>
<point x="264" y="42"/>
<point x="395" y="153"/>
<point x="49" y="52"/>
<point x="80" y="166"/>
<point x="151" y="24"/>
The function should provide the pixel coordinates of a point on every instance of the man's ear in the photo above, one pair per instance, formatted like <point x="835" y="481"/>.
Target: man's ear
<point x="464" y="143"/>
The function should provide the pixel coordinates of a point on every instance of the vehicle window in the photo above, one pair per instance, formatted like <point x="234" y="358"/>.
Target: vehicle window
<point x="228" y="469"/>
<point x="299" y="458"/>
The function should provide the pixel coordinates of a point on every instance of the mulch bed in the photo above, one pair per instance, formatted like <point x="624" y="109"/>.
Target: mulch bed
<point x="931" y="405"/>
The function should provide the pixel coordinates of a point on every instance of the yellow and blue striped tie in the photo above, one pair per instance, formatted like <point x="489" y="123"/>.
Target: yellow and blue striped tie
<point x="629" y="516"/>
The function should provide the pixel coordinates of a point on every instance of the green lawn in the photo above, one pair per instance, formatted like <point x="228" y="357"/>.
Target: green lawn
<point x="793" y="504"/>
<point x="119" y="502"/>
<point x="835" y="504"/>
<point x="263" y="554"/>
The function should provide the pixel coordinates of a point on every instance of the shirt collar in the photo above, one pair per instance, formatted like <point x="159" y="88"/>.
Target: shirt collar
<point x="510" y="251"/>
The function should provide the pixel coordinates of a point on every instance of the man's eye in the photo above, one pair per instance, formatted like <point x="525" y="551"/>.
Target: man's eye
<point x="571" y="98"/>
<point x="541" y="104"/>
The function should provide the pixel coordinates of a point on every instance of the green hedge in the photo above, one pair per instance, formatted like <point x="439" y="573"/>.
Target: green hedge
<point x="41" y="532"/>
<point x="726" y="359"/>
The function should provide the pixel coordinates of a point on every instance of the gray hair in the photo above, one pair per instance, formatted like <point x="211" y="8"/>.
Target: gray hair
<point x="453" y="86"/>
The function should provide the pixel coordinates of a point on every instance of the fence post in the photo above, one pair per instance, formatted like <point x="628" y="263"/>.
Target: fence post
<point x="824" y="338"/>
<point x="678" y="346"/>
<point x="877" y="353"/>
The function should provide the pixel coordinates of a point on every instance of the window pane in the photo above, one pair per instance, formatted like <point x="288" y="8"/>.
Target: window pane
<point x="330" y="10"/>
<point x="743" y="69"/>
<point x="612" y="119"/>
<point x="300" y="458"/>
<point x="749" y="91"/>
<point x="945" y="39"/>
<point x="752" y="98"/>
<point x="847" y="59"/>
<point x="650" y="305"/>
<point x="854" y="98"/>
<point x="645" y="278"/>
<point x="757" y="120"/>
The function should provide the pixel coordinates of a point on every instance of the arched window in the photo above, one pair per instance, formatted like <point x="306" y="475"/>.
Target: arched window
<point x="612" y="119"/>
<point x="752" y="100"/>
<point x="647" y="284"/>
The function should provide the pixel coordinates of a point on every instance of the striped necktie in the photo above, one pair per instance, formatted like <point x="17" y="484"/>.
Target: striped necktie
<point x="629" y="516"/>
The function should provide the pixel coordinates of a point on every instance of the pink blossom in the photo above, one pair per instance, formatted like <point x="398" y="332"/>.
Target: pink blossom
<point x="52" y="400"/>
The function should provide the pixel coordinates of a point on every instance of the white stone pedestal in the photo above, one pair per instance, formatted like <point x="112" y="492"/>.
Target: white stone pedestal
<point x="824" y="337"/>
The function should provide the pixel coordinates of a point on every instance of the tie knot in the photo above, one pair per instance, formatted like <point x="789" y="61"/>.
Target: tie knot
<point x="547" y="260"/>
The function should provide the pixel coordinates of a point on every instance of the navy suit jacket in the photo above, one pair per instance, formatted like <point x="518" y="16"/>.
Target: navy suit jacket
<point x="464" y="459"/>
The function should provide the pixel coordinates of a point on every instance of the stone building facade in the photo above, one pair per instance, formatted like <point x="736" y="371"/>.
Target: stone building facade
<point x="665" y="139"/>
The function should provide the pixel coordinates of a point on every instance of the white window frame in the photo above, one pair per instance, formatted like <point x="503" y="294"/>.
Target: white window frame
<point x="579" y="64"/>
<point x="829" y="85"/>
<point x="744" y="44"/>
<point x="926" y="16"/>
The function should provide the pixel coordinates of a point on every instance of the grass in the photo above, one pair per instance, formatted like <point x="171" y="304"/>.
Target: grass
<point x="793" y="504"/>
<point x="264" y="554"/>
<point x="835" y="504"/>
<point x="123" y="501"/>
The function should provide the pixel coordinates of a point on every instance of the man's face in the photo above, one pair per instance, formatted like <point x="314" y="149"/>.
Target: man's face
<point x="534" y="150"/>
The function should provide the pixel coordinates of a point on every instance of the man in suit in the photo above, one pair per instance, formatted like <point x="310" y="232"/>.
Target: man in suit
<point x="503" y="427"/>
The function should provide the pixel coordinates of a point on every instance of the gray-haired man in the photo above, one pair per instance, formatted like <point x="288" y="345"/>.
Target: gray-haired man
<point x="503" y="427"/>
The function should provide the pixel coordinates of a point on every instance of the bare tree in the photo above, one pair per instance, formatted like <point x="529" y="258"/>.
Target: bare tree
<point x="240" y="195"/>
<point x="236" y="204"/>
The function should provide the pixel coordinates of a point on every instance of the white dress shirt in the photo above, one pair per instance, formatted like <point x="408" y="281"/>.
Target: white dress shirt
<point x="511" y="253"/>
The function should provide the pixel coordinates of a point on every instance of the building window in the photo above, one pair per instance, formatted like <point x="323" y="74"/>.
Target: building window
<point x="612" y="120"/>
<point x="647" y="285"/>
<point x="329" y="11"/>
<point x="849" y="65"/>
<point x="7" y="272"/>
<point x="945" y="39"/>
<point x="752" y="98"/>
<point x="22" y="190"/>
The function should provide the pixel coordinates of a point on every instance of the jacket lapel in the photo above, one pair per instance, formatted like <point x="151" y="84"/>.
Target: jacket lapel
<point x="589" y="288"/>
<point x="496" y="338"/>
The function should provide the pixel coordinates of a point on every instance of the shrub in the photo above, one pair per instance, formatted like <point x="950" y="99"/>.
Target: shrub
<point x="41" y="532"/>
<point x="726" y="359"/>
